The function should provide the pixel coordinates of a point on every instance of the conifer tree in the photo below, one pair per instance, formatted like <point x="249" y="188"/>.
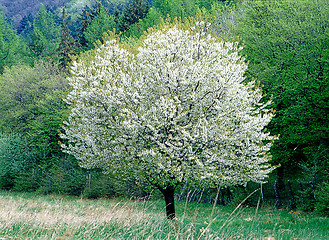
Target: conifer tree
<point x="45" y="37"/>
<point x="25" y="27"/>
<point x="132" y="13"/>
<point x="67" y="46"/>
<point x="86" y="18"/>
<point x="12" y="48"/>
<point x="100" y="24"/>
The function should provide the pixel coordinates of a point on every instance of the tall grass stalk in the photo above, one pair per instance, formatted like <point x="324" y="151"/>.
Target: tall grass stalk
<point x="254" y="218"/>
<point x="237" y="207"/>
<point x="27" y="216"/>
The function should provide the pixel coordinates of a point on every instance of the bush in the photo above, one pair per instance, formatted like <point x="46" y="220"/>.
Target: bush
<point x="64" y="176"/>
<point x="98" y="185"/>
<point x="27" y="181"/>
<point x="322" y="195"/>
<point x="15" y="158"/>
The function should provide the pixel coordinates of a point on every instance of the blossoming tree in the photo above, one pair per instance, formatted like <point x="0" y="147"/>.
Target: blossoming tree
<point x="175" y="110"/>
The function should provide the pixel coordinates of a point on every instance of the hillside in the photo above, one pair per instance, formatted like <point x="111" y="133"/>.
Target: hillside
<point x="15" y="10"/>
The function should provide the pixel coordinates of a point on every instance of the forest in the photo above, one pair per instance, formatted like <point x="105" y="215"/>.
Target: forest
<point x="286" y="45"/>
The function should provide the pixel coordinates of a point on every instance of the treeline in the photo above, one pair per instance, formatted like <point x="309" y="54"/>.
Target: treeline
<point x="285" y="42"/>
<point x="34" y="59"/>
<point x="54" y="33"/>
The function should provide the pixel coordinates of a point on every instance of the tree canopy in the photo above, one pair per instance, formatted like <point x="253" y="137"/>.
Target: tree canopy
<point x="287" y="45"/>
<point x="101" y="23"/>
<point x="45" y="36"/>
<point x="12" y="48"/>
<point x="31" y="105"/>
<point x="175" y="110"/>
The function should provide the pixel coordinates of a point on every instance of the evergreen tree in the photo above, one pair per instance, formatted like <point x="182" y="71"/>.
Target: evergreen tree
<point x="7" y="36"/>
<point x="152" y="18"/>
<point x="177" y="8"/>
<point x="12" y="49"/>
<point x="101" y="23"/>
<point x="45" y="38"/>
<point x="132" y="13"/>
<point x="85" y="19"/>
<point x="67" y="46"/>
<point x="113" y="6"/>
<point x="25" y="27"/>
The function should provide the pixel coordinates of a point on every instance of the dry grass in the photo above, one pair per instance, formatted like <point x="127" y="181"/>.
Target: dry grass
<point x="57" y="211"/>
<point x="28" y="216"/>
<point x="54" y="217"/>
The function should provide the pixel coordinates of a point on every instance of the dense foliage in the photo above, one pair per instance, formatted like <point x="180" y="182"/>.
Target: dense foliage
<point x="287" y="45"/>
<point x="13" y="50"/>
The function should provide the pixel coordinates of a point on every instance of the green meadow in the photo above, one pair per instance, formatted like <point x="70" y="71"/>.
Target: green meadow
<point x="31" y="216"/>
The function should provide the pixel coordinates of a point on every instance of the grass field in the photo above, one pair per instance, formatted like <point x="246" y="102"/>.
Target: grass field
<point x="29" y="216"/>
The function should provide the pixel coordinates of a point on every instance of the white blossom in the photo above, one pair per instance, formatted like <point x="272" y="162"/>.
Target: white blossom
<point x="177" y="110"/>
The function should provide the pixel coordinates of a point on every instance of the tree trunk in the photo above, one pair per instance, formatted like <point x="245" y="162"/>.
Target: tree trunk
<point x="280" y="174"/>
<point x="168" y="194"/>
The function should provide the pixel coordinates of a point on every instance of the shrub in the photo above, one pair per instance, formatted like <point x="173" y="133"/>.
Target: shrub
<point x="98" y="185"/>
<point x="15" y="158"/>
<point x="27" y="181"/>
<point x="322" y="195"/>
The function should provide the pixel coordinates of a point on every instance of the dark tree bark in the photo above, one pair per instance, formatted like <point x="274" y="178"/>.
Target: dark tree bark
<point x="168" y="194"/>
<point x="277" y="195"/>
<point x="293" y="203"/>
<point x="280" y="174"/>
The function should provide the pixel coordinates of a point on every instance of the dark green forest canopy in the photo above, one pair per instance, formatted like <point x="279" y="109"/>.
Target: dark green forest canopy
<point x="287" y="45"/>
